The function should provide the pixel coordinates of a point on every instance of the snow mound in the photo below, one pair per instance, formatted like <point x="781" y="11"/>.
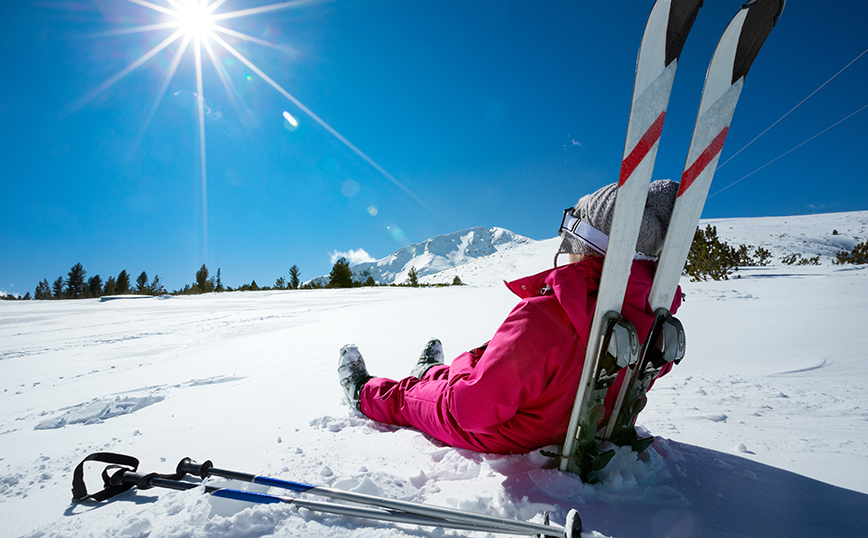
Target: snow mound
<point x="97" y="411"/>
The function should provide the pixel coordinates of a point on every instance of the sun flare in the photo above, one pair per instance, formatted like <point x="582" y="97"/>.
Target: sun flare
<point x="195" y="19"/>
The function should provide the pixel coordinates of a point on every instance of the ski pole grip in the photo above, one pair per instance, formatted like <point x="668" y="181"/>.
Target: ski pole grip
<point x="188" y="466"/>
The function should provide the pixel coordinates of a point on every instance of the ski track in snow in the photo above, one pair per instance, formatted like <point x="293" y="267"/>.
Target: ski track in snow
<point x="761" y="431"/>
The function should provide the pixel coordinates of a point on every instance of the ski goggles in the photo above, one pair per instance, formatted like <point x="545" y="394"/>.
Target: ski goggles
<point x="582" y="230"/>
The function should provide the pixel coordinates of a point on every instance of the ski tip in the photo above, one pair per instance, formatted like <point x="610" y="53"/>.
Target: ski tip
<point x="758" y="22"/>
<point x="777" y="13"/>
<point x="682" y="15"/>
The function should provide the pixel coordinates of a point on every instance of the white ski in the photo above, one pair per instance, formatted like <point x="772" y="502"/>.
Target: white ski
<point x="733" y="57"/>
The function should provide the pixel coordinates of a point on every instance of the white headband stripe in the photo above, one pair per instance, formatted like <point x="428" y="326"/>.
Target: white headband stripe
<point x="594" y="238"/>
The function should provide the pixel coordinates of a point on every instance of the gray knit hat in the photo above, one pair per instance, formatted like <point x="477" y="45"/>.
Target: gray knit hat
<point x="597" y="209"/>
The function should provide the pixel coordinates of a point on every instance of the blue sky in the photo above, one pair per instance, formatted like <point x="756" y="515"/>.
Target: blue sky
<point x="475" y="113"/>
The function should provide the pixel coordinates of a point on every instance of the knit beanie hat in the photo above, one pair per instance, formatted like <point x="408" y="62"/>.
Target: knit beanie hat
<point x="592" y="221"/>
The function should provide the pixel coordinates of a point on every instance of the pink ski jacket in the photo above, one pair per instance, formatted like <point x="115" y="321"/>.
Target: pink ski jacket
<point x="515" y="393"/>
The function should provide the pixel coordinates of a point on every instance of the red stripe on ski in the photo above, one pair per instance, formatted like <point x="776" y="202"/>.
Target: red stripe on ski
<point x="700" y="164"/>
<point x="651" y="136"/>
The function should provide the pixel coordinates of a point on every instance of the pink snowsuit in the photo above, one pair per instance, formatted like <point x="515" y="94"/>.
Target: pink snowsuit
<point x="515" y="394"/>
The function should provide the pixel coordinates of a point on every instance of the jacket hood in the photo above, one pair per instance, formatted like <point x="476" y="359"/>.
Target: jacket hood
<point x="575" y="287"/>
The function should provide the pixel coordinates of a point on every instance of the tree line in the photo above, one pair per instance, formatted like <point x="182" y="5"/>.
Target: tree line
<point x="76" y="285"/>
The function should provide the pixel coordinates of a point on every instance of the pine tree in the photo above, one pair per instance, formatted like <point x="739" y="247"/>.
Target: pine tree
<point x="203" y="283"/>
<point x="122" y="283"/>
<point x="156" y="286"/>
<point x="57" y="288"/>
<point x="341" y="276"/>
<point x="142" y="284"/>
<point x="858" y="255"/>
<point x="75" y="281"/>
<point x="43" y="290"/>
<point x="710" y="257"/>
<point x="763" y="256"/>
<point x="797" y="259"/>
<point x="413" y="277"/>
<point x="294" y="274"/>
<point x="218" y="287"/>
<point x="94" y="286"/>
<point x="110" y="286"/>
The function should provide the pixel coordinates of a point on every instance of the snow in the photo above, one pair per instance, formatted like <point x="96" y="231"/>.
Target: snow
<point x="761" y="431"/>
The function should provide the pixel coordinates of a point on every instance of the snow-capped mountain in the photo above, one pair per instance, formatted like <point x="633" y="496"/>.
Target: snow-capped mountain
<point x="437" y="254"/>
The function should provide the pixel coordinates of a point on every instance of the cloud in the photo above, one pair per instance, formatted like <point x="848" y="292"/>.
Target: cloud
<point x="355" y="257"/>
<point x="212" y="111"/>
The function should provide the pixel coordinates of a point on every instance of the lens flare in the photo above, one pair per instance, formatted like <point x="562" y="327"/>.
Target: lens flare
<point x="397" y="234"/>
<point x="291" y="122"/>
<point x="350" y="188"/>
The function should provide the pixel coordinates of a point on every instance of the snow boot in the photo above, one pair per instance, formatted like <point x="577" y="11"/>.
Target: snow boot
<point x="432" y="355"/>
<point x="352" y="374"/>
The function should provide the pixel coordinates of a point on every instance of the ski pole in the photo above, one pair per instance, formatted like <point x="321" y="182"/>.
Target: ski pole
<point x="124" y="477"/>
<point x="121" y="475"/>
<point x="207" y="469"/>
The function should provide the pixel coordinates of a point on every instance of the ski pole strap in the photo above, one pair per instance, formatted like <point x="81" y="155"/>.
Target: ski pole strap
<point x="122" y="479"/>
<point x="116" y="461"/>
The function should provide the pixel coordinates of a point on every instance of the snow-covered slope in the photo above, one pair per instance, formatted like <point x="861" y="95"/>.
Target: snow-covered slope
<point x="762" y="430"/>
<point x="437" y="254"/>
<point x="821" y="235"/>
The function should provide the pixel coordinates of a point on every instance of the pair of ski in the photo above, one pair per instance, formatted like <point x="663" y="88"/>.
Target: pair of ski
<point x="614" y="343"/>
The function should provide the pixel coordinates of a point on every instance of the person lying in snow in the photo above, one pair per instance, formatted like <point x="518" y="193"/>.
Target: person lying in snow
<point x="515" y="393"/>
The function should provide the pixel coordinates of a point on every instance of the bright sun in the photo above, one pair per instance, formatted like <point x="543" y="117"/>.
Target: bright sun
<point x="195" y="18"/>
<point x="197" y="23"/>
